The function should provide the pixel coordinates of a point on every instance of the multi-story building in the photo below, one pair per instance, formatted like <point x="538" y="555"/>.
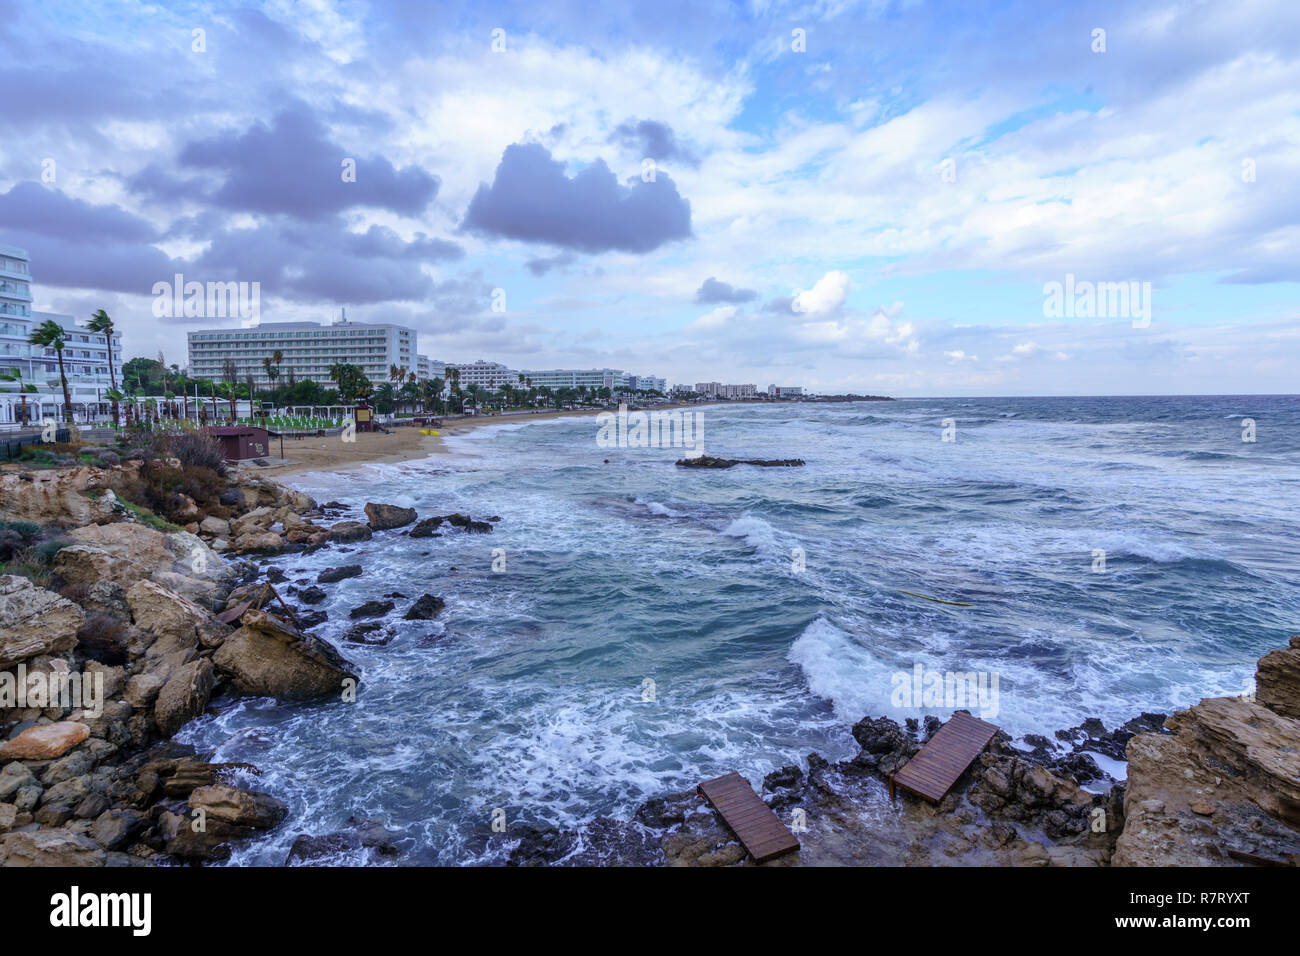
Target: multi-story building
<point x="784" y="391"/>
<point x="85" y="353"/>
<point x="591" y="378"/>
<point x="307" y="348"/>
<point x="738" y="391"/>
<point x="488" y="375"/>
<point x="647" y="383"/>
<point x="711" y="389"/>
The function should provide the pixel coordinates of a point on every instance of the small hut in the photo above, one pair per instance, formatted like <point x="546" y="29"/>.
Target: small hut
<point x="239" y="443"/>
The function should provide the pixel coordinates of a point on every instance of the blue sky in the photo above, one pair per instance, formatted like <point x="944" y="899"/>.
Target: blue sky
<point x="886" y="203"/>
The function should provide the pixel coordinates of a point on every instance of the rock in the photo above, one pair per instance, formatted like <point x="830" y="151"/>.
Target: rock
<point x="269" y="657"/>
<point x="706" y="461"/>
<point x="385" y="517"/>
<point x="124" y="552"/>
<point x="58" y="497"/>
<point x="313" y="594"/>
<point x="1277" y="680"/>
<point x="426" y="528"/>
<point x="333" y="575"/>
<point x="372" y="633"/>
<point x="34" y="622"/>
<point x="425" y="608"/>
<point x="214" y="526"/>
<point x="261" y="542"/>
<point x="106" y="597"/>
<point x="142" y="690"/>
<point x="91" y="807"/>
<point x="49" y="848"/>
<point x="8" y="817"/>
<point x="232" y="497"/>
<point x="478" y="527"/>
<point x="346" y="531"/>
<point x="175" y="622"/>
<point x="186" y="510"/>
<point x="184" y="696"/>
<point x="330" y="849"/>
<point x="245" y="808"/>
<point x="13" y="778"/>
<point x="256" y="521"/>
<point x="310" y="619"/>
<point x="115" y="829"/>
<point x="371" y="609"/>
<point x="44" y="741"/>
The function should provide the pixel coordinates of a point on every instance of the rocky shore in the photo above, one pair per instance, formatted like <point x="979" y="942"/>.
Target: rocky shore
<point x="1217" y="784"/>
<point x="167" y="611"/>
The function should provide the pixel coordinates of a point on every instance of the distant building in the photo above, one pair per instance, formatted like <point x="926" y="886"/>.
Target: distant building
<point x="85" y="353"/>
<point x="710" y="389"/>
<point x="738" y="391"/>
<point x="307" y="347"/>
<point x="784" y="391"/>
<point x="591" y="378"/>
<point x="647" y="383"/>
<point x="488" y="375"/>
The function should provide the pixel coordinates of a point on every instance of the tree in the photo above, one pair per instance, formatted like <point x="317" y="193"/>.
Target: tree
<point x="351" y="380"/>
<point x="230" y="378"/>
<point x="101" y="323"/>
<point x="16" y="375"/>
<point x="433" y="389"/>
<point x="272" y="365"/>
<point x="49" y="334"/>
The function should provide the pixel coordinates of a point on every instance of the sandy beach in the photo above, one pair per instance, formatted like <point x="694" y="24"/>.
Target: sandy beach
<point x="402" y="443"/>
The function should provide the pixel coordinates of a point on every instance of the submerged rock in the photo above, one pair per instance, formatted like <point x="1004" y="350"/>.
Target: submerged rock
<point x="425" y="608"/>
<point x="333" y="575"/>
<point x="707" y="461"/>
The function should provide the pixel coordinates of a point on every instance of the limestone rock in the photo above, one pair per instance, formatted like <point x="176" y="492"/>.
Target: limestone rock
<point x="269" y="657"/>
<point x="34" y="621"/>
<point x="384" y="517"/>
<point x="184" y="696"/>
<point x="345" y="531"/>
<point x="49" y="848"/>
<point x="1277" y="680"/>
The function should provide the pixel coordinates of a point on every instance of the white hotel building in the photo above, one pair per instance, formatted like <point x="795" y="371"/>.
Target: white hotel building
<point x="307" y="348"/>
<point x="85" y="354"/>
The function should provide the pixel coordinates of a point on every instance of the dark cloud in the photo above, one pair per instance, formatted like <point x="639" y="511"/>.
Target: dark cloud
<point x="531" y="199"/>
<point x="653" y="139"/>
<point x="781" y="305"/>
<point x="291" y="168"/>
<point x="325" y="262"/>
<point x="713" y="291"/>
<point x="544" y="264"/>
<point x="42" y="209"/>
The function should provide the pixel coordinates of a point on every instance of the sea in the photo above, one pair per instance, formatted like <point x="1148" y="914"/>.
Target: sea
<point x="631" y="627"/>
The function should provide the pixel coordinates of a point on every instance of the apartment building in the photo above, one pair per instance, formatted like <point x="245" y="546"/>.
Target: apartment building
<point x="487" y="375"/>
<point x="784" y="391"/>
<point x="308" y="348"/>
<point x="591" y="378"/>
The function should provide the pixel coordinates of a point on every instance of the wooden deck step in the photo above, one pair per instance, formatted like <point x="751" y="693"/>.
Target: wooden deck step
<point x="759" y="830"/>
<point x="944" y="758"/>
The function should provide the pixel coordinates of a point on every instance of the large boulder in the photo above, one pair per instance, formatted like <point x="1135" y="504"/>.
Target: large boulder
<point x="244" y="808"/>
<point x="126" y="552"/>
<point x="259" y="519"/>
<point x="384" y="517"/>
<point x="175" y="622"/>
<point x="269" y="657"/>
<point x="184" y="696"/>
<point x="258" y="542"/>
<point x="45" y="741"/>
<point x="347" y="531"/>
<point x="34" y="621"/>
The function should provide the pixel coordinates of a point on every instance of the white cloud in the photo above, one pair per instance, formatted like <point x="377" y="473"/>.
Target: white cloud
<point x="827" y="295"/>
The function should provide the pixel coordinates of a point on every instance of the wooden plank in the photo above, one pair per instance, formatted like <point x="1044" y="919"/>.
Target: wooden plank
<point x="944" y="758"/>
<point x="759" y="830"/>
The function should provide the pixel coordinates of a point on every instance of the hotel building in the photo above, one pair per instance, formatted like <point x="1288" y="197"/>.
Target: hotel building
<point x="307" y="348"/>
<point x="85" y="353"/>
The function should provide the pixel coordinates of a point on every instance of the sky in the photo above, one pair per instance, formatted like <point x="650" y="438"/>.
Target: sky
<point x="873" y="197"/>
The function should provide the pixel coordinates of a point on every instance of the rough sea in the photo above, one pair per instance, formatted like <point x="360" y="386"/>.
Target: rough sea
<point x="649" y="626"/>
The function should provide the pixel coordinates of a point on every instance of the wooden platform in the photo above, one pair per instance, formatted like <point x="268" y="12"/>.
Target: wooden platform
<point x="933" y="771"/>
<point x="759" y="830"/>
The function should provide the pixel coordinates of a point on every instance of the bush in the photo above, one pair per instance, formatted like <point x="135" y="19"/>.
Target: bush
<point x="193" y="448"/>
<point x="102" y="638"/>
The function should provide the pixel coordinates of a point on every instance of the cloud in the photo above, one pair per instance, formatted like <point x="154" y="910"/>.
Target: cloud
<point x="290" y="167"/>
<point x="712" y="290"/>
<point x="541" y="265"/>
<point x="49" y="212"/>
<point x="826" y="296"/>
<point x="532" y="199"/>
<point x="652" y="139"/>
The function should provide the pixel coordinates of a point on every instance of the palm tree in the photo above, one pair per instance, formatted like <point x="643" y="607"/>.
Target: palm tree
<point x="16" y="375"/>
<point x="115" y="396"/>
<point x="101" y="323"/>
<point x="50" y="335"/>
<point x="434" y="391"/>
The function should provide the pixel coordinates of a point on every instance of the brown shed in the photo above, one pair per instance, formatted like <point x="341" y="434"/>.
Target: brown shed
<point x="240" y="442"/>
